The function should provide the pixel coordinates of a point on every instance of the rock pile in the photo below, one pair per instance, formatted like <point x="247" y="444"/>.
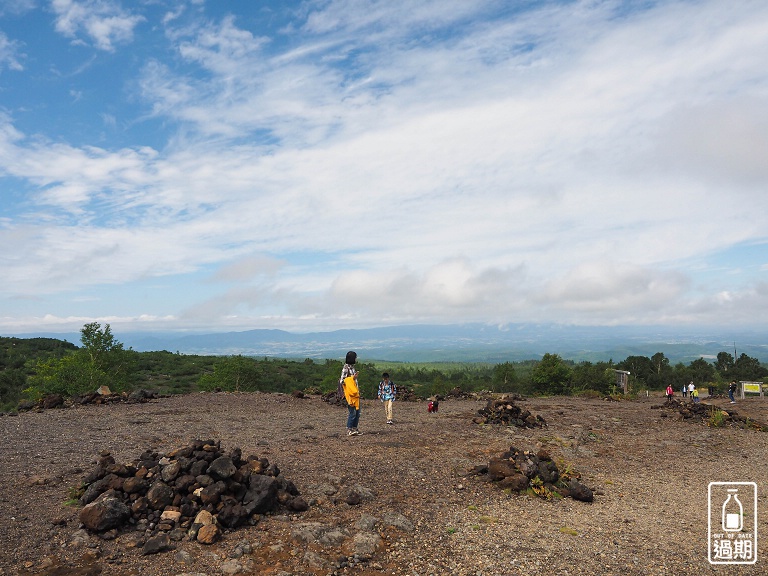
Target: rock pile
<point x="457" y="393"/>
<point x="504" y="411"/>
<point x="196" y="491"/>
<point x="405" y="394"/>
<point x="334" y="399"/>
<point x="50" y="401"/>
<point x="535" y="473"/>
<point x="687" y="409"/>
<point x="100" y="397"/>
<point x="712" y="415"/>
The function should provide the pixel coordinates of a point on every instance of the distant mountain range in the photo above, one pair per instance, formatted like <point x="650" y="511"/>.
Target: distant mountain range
<point x="458" y="343"/>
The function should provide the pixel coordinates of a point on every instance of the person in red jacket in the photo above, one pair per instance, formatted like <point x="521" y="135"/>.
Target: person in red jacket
<point x="670" y="392"/>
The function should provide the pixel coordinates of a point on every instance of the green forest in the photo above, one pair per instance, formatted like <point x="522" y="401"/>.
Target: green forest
<point x="31" y="368"/>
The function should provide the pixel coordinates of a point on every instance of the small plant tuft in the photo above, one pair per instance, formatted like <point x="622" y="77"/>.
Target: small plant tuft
<point x="73" y="495"/>
<point x="716" y="418"/>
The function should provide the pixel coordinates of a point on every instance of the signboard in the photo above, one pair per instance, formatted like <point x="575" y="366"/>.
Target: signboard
<point x="732" y="510"/>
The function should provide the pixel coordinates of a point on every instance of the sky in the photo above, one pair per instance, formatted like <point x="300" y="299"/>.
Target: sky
<point x="199" y="165"/>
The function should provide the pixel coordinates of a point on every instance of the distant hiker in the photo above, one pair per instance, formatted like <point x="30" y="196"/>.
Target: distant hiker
<point x="387" y="393"/>
<point x="670" y="392"/>
<point x="685" y="391"/>
<point x="348" y="381"/>
<point x="695" y="395"/>
<point x="731" y="390"/>
<point x="690" y="388"/>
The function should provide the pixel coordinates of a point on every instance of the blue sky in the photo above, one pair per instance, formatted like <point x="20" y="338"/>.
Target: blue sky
<point x="206" y="165"/>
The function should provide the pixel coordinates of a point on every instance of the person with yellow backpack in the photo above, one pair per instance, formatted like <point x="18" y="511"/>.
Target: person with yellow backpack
<point x="348" y="382"/>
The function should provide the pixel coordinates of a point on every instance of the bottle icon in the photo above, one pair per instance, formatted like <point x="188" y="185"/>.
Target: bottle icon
<point x="733" y="512"/>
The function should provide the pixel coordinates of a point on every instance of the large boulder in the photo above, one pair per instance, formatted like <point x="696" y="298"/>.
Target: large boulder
<point x="104" y="514"/>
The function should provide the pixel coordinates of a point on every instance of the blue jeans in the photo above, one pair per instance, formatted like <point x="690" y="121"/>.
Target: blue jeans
<point x="353" y="417"/>
<point x="730" y="395"/>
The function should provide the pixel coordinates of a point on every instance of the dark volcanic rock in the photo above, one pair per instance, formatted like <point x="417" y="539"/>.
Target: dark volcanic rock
<point x="167" y="493"/>
<point x="504" y="411"/>
<point x="714" y="416"/>
<point x="52" y="401"/>
<point x="548" y="471"/>
<point x="519" y="471"/>
<point x="222" y="468"/>
<point x="515" y="482"/>
<point x="156" y="544"/>
<point x="103" y="514"/>
<point x="159" y="496"/>
<point x="578" y="491"/>
<point x="499" y="468"/>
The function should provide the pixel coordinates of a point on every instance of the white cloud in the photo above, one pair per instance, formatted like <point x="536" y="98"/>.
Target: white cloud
<point x="16" y="6"/>
<point x="721" y="141"/>
<point x="9" y="54"/>
<point x="103" y="21"/>
<point x="248" y="268"/>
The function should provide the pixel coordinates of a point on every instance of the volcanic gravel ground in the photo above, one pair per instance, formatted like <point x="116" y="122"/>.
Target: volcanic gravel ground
<point x="649" y="469"/>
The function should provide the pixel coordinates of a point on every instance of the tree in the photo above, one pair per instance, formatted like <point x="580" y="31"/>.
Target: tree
<point x="11" y="383"/>
<point x="659" y="362"/>
<point x="702" y="371"/>
<point x="101" y="361"/>
<point x="679" y="376"/>
<point x="748" y="368"/>
<point x="587" y="376"/>
<point x="331" y="372"/>
<point x="724" y="364"/>
<point x="661" y="372"/>
<point x="641" y="370"/>
<point x="103" y="357"/>
<point x="551" y="375"/>
<point x="233" y="374"/>
<point x="504" y="378"/>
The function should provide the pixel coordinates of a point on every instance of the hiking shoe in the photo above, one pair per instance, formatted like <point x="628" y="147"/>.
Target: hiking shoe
<point x="356" y="433"/>
<point x="351" y="432"/>
<point x="390" y="422"/>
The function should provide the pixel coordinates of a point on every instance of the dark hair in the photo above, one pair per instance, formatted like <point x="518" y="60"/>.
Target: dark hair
<point x="385" y="375"/>
<point x="351" y="357"/>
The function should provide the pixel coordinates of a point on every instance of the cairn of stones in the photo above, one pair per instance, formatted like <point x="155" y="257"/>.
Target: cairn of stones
<point x="504" y="411"/>
<point x="712" y="415"/>
<point x="534" y="473"/>
<point x="405" y="394"/>
<point x="334" y="399"/>
<point x="197" y="491"/>
<point x="55" y="400"/>
<point x="457" y="393"/>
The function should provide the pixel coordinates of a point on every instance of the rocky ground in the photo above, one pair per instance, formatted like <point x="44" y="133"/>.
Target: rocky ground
<point x="400" y="499"/>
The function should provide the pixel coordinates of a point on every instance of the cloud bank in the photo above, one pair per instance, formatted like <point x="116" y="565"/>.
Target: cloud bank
<point x="325" y="164"/>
